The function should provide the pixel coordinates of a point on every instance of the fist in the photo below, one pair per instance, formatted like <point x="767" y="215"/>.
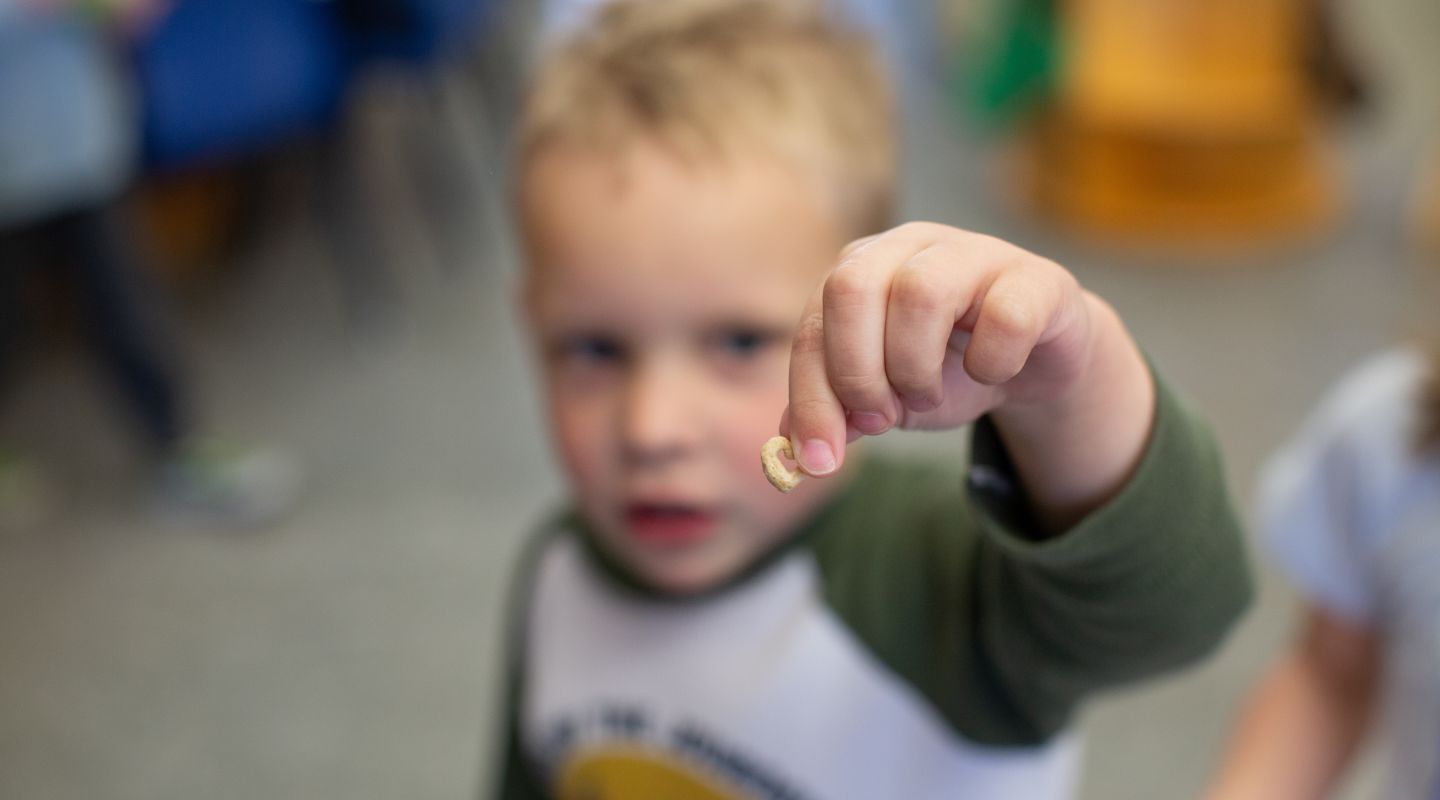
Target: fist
<point x="929" y="327"/>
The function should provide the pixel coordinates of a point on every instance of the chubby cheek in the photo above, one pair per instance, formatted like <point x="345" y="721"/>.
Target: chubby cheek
<point x="585" y="443"/>
<point x="745" y="439"/>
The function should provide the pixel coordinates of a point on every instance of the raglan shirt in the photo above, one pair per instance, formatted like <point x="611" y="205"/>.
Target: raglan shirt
<point x="918" y="638"/>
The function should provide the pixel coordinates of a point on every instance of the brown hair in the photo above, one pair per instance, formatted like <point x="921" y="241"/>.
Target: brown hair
<point x="709" y="78"/>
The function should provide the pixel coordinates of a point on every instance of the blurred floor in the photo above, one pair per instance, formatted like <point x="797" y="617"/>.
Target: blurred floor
<point x="350" y="652"/>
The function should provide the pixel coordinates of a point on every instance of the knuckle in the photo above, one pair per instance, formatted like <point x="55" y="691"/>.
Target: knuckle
<point x="858" y="388"/>
<point x="911" y="377"/>
<point x="915" y="229"/>
<point x="807" y="414"/>
<point x="810" y="335"/>
<point x="993" y="245"/>
<point x="1066" y="282"/>
<point x="1008" y="317"/>
<point x="989" y="368"/>
<point x="847" y="285"/>
<point x="855" y="246"/>
<point x="916" y="289"/>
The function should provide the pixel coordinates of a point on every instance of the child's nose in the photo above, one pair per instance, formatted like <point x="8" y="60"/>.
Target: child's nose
<point x="661" y="414"/>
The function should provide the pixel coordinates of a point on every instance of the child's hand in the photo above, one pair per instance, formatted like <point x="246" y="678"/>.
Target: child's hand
<point x="929" y="327"/>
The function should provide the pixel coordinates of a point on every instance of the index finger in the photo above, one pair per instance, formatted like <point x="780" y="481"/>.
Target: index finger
<point x="815" y="418"/>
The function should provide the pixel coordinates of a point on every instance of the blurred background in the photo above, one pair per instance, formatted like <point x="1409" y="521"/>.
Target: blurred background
<point x="269" y="439"/>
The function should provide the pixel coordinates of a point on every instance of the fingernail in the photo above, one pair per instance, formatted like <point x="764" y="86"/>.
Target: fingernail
<point x="870" y="423"/>
<point x="817" y="458"/>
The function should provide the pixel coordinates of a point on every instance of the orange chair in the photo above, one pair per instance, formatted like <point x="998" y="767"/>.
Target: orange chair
<point x="1188" y="119"/>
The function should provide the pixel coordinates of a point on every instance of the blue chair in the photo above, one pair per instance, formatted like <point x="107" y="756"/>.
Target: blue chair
<point x="224" y="78"/>
<point x="219" y="79"/>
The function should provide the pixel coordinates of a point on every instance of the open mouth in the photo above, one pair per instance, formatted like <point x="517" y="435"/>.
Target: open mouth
<point x="668" y="524"/>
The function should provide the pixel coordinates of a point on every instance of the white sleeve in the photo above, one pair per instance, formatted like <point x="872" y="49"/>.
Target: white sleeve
<point x="1326" y="497"/>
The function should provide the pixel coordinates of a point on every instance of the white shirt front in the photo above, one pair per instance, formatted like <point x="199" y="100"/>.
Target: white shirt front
<point x="759" y="692"/>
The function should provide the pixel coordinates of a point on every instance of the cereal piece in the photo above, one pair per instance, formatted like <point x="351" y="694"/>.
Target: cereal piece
<point x="779" y="475"/>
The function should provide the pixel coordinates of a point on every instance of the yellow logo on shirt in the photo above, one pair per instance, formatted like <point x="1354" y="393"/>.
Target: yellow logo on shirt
<point x="631" y="773"/>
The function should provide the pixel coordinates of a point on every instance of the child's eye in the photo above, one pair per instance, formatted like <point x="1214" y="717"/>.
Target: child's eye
<point x="744" y="343"/>
<point x="587" y="349"/>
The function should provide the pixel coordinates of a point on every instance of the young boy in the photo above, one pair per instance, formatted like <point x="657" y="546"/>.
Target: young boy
<point x="689" y="174"/>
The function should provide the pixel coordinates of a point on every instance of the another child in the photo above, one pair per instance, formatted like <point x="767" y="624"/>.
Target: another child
<point x="689" y="174"/>
<point x="1352" y="508"/>
<point x="67" y="154"/>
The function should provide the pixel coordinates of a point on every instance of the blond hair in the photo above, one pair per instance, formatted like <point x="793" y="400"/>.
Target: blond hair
<point x="710" y="78"/>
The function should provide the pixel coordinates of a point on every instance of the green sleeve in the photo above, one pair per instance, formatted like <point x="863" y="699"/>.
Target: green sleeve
<point x="1005" y="632"/>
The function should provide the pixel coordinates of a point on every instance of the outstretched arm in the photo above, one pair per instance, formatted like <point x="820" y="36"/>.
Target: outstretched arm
<point x="1096" y="543"/>
<point x="1306" y="717"/>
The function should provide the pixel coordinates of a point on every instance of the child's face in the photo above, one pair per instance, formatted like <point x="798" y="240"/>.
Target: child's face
<point x="663" y="296"/>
